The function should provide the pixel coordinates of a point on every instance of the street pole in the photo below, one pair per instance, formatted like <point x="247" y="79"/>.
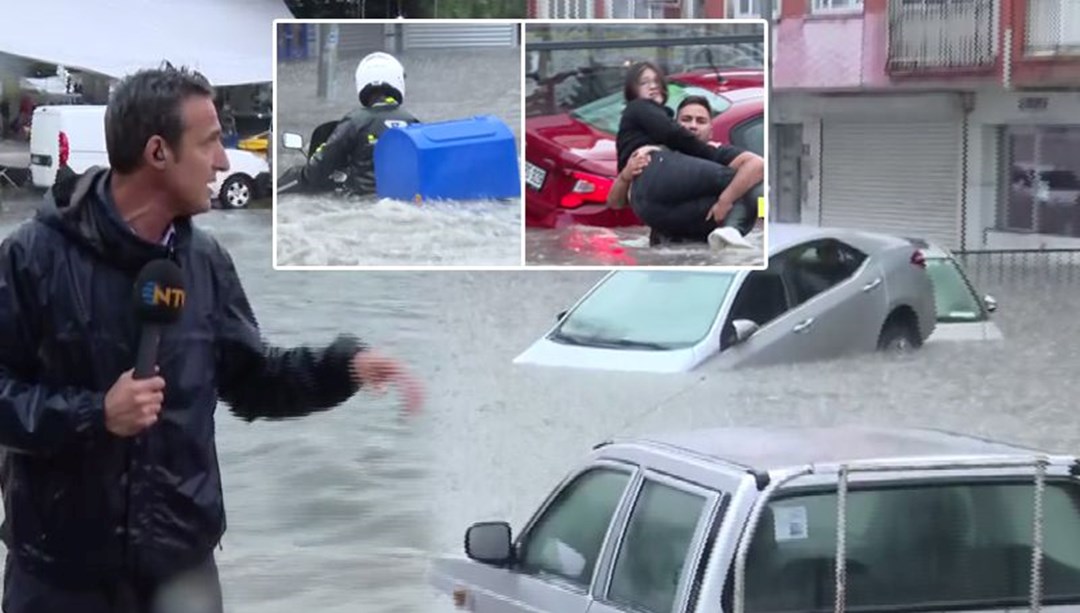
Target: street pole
<point x="328" y="39"/>
<point x="767" y="15"/>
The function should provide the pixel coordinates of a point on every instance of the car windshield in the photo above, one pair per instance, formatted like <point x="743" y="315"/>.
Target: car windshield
<point x="953" y="297"/>
<point x="926" y="547"/>
<point x="647" y="310"/>
<point x="604" y="114"/>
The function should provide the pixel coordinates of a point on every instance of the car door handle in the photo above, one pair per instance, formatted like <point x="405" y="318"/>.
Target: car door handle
<point x="871" y="285"/>
<point x="802" y="326"/>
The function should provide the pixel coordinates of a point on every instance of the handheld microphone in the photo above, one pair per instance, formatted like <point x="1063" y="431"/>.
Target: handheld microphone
<point x="159" y="300"/>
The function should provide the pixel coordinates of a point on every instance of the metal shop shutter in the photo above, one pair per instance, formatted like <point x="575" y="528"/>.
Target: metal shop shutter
<point x="442" y="36"/>
<point x="892" y="177"/>
<point x="356" y="39"/>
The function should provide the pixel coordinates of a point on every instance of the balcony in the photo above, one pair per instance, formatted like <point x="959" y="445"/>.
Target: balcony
<point x="942" y="35"/>
<point x="1053" y="28"/>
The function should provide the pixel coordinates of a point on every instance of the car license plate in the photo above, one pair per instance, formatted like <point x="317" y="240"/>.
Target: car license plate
<point x="534" y="176"/>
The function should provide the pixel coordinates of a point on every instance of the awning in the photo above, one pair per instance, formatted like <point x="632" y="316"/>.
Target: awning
<point x="229" y="41"/>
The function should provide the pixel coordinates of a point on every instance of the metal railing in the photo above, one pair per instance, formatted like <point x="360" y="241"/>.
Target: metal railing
<point x="1039" y="463"/>
<point x="942" y="35"/>
<point x="1020" y="267"/>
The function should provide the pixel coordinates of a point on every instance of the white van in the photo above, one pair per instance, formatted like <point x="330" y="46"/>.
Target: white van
<point x="81" y="131"/>
<point x="77" y="133"/>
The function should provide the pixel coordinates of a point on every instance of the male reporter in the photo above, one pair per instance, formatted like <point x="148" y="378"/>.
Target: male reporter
<point x="110" y="481"/>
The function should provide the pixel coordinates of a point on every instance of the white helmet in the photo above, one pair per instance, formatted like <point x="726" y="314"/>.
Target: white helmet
<point x="380" y="70"/>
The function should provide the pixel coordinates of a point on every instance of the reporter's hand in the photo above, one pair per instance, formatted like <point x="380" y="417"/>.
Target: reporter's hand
<point x="376" y="371"/>
<point x="133" y="405"/>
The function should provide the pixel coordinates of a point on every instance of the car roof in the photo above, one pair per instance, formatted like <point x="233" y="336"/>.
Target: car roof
<point x="782" y="236"/>
<point x="744" y="94"/>
<point x="773" y="448"/>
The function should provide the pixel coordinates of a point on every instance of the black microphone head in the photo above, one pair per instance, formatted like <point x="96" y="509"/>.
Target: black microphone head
<point x="159" y="293"/>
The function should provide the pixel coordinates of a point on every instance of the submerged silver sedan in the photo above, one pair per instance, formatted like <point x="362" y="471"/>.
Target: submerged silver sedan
<point x="826" y="292"/>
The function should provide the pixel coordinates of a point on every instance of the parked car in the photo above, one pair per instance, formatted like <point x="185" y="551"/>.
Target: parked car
<point x="570" y="160"/>
<point x="961" y="314"/>
<point x="747" y="519"/>
<point x="74" y="136"/>
<point x="826" y="292"/>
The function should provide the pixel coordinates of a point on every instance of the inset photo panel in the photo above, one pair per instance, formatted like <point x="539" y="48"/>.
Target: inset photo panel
<point x="398" y="144"/>
<point x="645" y="143"/>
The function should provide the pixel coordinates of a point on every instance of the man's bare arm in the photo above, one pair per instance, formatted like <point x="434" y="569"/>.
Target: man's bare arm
<point x="749" y="171"/>
<point x="617" y="197"/>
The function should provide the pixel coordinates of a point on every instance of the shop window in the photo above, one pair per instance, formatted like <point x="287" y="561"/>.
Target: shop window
<point x="1041" y="180"/>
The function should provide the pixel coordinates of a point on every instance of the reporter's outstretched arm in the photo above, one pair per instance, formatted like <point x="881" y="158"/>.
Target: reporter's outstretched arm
<point x="257" y="379"/>
<point x="35" y="418"/>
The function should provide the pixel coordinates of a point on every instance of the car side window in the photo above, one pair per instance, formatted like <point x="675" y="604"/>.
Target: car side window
<point x="762" y="297"/>
<point x="821" y="265"/>
<point x="750" y="135"/>
<point x="658" y="542"/>
<point x="567" y="538"/>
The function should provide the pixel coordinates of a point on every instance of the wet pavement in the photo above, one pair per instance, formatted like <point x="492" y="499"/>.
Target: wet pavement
<point x="579" y="245"/>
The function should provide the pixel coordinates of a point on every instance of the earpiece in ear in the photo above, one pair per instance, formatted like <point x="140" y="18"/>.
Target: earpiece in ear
<point x="159" y="155"/>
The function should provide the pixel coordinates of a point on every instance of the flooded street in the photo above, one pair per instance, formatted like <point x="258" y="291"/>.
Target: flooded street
<point x="329" y="230"/>
<point x="579" y="245"/>
<point x="340" y="511"/>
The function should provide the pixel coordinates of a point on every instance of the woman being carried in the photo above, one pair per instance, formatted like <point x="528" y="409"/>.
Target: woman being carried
<point x="687" y="191"/>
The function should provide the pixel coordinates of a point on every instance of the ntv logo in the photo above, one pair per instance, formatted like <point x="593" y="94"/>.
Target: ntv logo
<point x="156" y="295"/>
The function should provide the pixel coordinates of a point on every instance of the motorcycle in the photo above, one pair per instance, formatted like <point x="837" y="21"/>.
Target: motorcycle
<point x="289" y="181"/>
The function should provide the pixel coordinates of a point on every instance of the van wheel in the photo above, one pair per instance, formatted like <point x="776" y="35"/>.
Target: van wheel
<point x="236" y="192"/>
<point x="898" y="337"/>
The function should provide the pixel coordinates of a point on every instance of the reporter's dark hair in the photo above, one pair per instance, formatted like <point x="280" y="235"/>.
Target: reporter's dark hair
<point x="630" y="87"/>
<point x="701" y="100"/>
<point x="145" y="104"/>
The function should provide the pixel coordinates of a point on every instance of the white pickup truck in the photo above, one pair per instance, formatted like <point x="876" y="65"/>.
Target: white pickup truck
<point x="787" y="519"/>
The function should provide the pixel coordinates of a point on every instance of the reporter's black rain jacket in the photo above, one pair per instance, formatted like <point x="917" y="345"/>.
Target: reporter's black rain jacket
<point x="82" y="506"/>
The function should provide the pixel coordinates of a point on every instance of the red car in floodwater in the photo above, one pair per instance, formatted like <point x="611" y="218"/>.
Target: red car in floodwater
<point x="570" y="158"/>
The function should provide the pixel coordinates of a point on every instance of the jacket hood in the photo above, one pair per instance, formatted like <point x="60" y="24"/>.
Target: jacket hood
<point x="75" y="207"/>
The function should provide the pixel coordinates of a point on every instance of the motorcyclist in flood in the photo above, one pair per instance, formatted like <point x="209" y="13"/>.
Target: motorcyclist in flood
<point x="350" y="149"/>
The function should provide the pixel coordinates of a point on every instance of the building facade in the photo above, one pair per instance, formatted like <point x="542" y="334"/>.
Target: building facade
<point x="634" y="9"/>
<point x="953" y="120"/>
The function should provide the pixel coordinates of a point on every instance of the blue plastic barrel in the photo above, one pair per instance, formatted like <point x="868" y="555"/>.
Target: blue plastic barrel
<point x="464" y="159"/>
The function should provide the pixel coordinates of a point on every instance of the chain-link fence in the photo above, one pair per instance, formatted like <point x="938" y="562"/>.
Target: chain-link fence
<point x="414" y="9"/>
<point x="616" y="9"/>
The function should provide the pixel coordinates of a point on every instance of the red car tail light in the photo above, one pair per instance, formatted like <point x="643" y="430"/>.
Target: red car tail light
<point x="918" y="259"/>
<point x="587" y="189"/>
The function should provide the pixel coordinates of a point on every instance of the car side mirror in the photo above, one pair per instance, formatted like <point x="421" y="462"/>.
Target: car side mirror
<point x="291" y="140"/>
<point x="489" y="543"/>
<point x="744" y="329"/>
<point x="737" y="332"/>
<point x="990" y="302"/>
<point x="560" y="316"/>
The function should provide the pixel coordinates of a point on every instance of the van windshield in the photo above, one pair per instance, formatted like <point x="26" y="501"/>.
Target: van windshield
<point x="954" y="546"/>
